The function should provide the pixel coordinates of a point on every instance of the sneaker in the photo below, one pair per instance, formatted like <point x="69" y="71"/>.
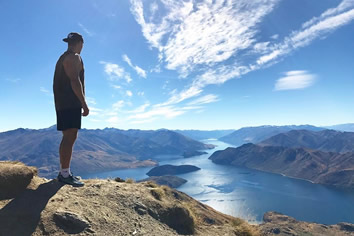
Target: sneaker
<point x="71" y="180"/>
<point x="75" y="177"/>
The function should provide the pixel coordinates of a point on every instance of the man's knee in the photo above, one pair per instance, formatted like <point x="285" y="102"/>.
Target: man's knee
<point x="70" y="134"/>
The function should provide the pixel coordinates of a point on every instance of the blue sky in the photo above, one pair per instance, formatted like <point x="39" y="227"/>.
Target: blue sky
<point x="182" y="64"/>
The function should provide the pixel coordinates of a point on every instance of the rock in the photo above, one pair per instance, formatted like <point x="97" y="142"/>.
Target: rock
<point x="14" y="178"/>
<point x="346" y="227"/>
<point x="119" y="180"/>
<point x="178" y="218"/>
<point x="70" y="222"/>
<point x="140" y="208"/>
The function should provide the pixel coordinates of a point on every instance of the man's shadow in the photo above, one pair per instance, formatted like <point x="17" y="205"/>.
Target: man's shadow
<point x="22" y="215"/>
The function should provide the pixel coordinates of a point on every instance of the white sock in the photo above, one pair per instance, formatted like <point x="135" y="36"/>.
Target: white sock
<point x="65" y="172"/>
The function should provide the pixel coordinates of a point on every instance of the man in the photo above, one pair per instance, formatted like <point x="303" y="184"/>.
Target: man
<point x="69" y="97"/>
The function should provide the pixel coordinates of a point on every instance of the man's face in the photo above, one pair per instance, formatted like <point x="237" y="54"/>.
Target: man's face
<point x="80" y="46"/>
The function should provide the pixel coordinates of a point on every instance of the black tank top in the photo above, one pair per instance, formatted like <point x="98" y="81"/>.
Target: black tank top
<point x="64" y="96"/>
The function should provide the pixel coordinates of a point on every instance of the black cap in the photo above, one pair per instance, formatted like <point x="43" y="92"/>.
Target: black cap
<point x="73" y="36"/>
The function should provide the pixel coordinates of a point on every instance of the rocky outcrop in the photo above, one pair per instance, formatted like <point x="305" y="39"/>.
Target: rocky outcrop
<point x="279" y="224"/>
<point x="171" y="170"/>
<point x="14" y="178"/>
<point x="108" y="207"/>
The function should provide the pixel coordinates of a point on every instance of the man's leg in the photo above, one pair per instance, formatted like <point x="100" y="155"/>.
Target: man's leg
<point x="66" y="147"/>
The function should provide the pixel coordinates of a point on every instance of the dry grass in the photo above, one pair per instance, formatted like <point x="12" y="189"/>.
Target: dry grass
<point x="130" y="181"/>
<point x="157" y="193"/>
<point x="151" y="184"/>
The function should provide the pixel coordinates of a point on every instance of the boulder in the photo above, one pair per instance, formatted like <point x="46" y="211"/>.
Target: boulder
<point x="14" y="178"/>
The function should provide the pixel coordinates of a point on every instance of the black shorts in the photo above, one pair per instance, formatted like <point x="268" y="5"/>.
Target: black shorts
<point x="69" y="118"/>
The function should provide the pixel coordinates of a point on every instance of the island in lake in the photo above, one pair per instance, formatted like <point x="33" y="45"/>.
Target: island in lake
<point x="171" y="170"/>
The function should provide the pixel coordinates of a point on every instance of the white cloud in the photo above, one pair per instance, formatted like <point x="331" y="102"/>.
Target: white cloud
<point x="202" y="33"/>
<point x="183" y="95"/>
<point x="317" y="27"/>
<point x="115" y="72"/>
<point x="165" y="111"/>
<point x="13" y="80"/>
<point x="88" y="32"/>
<point x="210" y="98"/>
<point x="116" y="86"/>
<point x="44" y="90"/>
<point x="275" y="36"/>
<point x="218" y="40"/>
<point x="118" y="105"/>
<point x="138" y="70"/>
<point x="113" y="120"/>
<point x="298" y="79"/>
<point x="139" y="109"/>
<point x="129" y="93"/>
<point x="91" y="101"/>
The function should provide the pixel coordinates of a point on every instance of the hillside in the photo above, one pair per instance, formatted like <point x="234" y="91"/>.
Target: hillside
<point x="95" y="150"/>
<point x="325" y="140"/>
<point x="260" y="133"/>
<point x="313" y="165"/>
<point x="107" y="207"/>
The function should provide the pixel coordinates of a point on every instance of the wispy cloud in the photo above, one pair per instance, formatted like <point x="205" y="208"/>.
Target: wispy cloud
<point x="218" y="41"/>
<point x="317" y="27"/>
<point x="91" y="100"/>
<point x="83" y="28"/>
<point x="210" y="98"/>
<point x="298" y="79"/>
<point x="166" y="112"/>
<point x="115" y="72"/>
<point x="45" y="91"/>
<point x="138" y="70"/>
<point x="202" y="33"/>
<point x="116" y="86"/>
<point x="16" y="80"/>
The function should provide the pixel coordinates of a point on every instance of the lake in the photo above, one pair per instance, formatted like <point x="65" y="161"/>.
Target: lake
<point x="248" y="194"/>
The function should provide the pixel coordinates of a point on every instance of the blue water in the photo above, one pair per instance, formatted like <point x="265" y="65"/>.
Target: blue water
<point x="249" y="193"/>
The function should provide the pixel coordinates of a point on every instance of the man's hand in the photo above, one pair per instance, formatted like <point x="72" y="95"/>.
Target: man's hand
<point x="86" y="110"/>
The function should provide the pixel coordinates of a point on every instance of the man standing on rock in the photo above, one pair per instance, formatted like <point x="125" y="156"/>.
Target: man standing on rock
<point x="69" y="97"/>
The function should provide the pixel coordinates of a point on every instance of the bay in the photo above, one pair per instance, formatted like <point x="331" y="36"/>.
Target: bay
<point x="248" y="194"/>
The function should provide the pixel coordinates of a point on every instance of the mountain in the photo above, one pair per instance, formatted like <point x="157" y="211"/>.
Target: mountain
<point x="205" y="134"/>
<point x="95" y="150"/>
<point x="342" y="127"/>
<point x="107" y="207"/>
<point x="325" y="140"/>
<point x="317" y="166"/>
<point x="258" y="134"/>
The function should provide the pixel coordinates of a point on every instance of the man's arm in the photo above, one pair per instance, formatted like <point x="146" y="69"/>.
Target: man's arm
<point x="72" y="66"/>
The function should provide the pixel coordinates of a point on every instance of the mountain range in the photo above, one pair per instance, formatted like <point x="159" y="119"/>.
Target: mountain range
<point x="260" y="133"/>
<point x="325" y="157"/>
<point x="325" y="140"/>
<point x="95" y="150"/>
